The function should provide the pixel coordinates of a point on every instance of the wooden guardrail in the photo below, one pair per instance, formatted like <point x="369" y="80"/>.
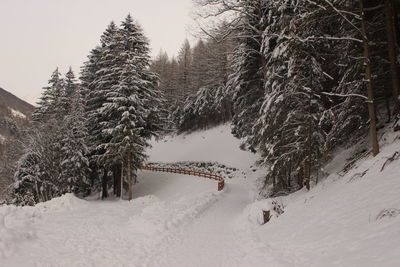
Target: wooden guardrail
<point x="221" y="180"/>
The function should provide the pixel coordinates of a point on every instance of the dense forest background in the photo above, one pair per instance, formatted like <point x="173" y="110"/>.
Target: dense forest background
<point x="296" y="78"/>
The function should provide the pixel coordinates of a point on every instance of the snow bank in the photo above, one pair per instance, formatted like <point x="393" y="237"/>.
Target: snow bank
<point x="66" y="202"/>
<point x="254" y="212"/>
<point x="15" y="228"/>
<point x="216" y="144"/>
<point x="344" y="221"/>
<point x="16" y="223"/>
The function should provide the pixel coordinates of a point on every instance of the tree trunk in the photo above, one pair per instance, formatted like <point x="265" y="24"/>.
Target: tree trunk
<point x="134" y="174"/>
<point x="122" y="180"/>
<point x="114" y="180"/>
<point x="395" y="11"/>
<point x="130" y="177"/>
<point x="300" y="178"/>
<point x="368" y="74"/>
<point x="117" y="180"/>
<point x="392" y="47"/>
<point x="308" y="179"/>
<point x="104" y="184"/>
<point x="289" y="174"/>
<point x="317" y="156"/>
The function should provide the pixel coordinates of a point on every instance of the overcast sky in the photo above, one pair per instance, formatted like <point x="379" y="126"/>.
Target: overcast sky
<point x="36" y="36"/>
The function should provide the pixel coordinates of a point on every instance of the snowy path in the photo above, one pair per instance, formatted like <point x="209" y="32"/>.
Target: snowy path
<point x="210" y="240"/>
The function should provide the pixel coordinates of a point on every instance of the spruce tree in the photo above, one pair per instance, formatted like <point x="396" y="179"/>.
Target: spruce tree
<point x="130" y="113"/>
<point x="47" y="104"/>
<point x="74" y="162"/>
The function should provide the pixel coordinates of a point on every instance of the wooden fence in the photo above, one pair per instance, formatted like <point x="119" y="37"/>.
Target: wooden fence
<point x="221" y="181"/>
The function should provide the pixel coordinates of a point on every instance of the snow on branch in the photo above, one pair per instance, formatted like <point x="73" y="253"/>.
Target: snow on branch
<point x="345" y="95"/>
<point x="345" y="18"/>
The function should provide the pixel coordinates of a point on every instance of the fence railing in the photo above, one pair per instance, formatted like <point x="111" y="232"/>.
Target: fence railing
<point x="221" y="180"/>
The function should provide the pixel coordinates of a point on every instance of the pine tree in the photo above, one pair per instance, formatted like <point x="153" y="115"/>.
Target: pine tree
<point x="54" y="161"/>
<point x="97" y="80"/>
<point x="68" y="92"/>
<point x="48" y="105"/>
<point x="74" y="162"/>
<point x="246" y="81"/>
<point x="131" y="110"/>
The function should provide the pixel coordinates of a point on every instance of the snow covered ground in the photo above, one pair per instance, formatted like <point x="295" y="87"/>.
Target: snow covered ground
<point x="179" y="220"/>
<point x="344" y="221"/>
<point x="216" y="144"/>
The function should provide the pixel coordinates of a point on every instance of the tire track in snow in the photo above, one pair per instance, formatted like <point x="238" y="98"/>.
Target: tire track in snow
<point x="211" y="240"/>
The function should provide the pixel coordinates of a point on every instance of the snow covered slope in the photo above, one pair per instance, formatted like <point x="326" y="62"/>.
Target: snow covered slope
<point x="177" y="220"/>
<point x="352" y="220"/>
<point x="216" y="144"/>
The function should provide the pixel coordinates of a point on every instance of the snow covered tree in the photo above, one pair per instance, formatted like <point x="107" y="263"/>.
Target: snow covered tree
<point x="54" y="161"/>
<point x="132" y="104"/>
<point x="122" y="103"/>
<point x="245" y="83"/>
<point x="297" y="81"/>
<point x="48" y="106"/>
<point x="97" y="79"/>
<point x="70" y="87"/>
<point x="37" y="176"/>
<point x="74" y="162"/>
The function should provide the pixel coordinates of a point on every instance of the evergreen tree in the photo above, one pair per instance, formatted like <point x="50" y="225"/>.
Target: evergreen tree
<point x="48" y="105"/>
<point x="131" y="106"/>
<point x="74" y="162"/>
<point x="54" y="161"/>
<point x="246" y="81"/>
<point x="98" y="78"/>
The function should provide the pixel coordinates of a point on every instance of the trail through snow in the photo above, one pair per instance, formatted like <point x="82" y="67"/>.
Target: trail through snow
<point x="211" y="240"/>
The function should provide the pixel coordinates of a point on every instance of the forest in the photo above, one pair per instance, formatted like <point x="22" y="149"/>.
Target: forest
<point x="297" y="79"/>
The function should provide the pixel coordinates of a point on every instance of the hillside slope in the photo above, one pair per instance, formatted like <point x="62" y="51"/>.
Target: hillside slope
<point x="216" y="144"/>
<point x="15" y="103"/>
<point x="14" y="114"/>
<point x="350" y="219"/>
<point x="14" y="119"/>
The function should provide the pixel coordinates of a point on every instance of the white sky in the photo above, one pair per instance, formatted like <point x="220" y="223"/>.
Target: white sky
<point x="36" y="36"/>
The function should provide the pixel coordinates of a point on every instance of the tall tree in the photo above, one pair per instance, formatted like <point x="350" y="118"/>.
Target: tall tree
<point x="131" y="109"/>
<point x="184" y="66"/>
<point x="47" y="104"/>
